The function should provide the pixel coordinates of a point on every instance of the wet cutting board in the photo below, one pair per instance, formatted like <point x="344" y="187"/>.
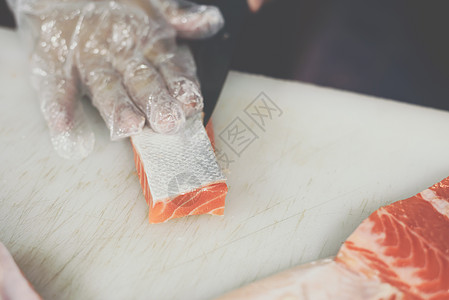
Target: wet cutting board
<point x="305" y="166"/>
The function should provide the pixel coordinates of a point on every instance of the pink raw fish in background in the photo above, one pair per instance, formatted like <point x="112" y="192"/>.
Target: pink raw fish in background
<point x="400" y="252"/>
<point x="406" y="244"/>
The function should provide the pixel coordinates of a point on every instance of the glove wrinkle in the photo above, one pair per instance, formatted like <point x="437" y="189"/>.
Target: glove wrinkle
<point x="123" y="54"/>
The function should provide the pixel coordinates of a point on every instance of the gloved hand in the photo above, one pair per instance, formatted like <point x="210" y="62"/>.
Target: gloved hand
<point x="123" y="55"/>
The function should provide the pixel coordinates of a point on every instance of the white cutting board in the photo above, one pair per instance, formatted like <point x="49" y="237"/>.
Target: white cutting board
<point x="79" y="230"/>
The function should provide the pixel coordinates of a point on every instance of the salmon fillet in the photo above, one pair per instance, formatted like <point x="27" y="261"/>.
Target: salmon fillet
<point x="401" y="251"/>
<point x="179" y="173"/>
<point x="405" y="244"/>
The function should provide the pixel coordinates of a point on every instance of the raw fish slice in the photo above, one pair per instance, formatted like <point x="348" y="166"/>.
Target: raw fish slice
<point x="179" y="173"/>
<point x="400" y="252"/>
<point x="405" y="244"/>
<point x="13" y="285"/>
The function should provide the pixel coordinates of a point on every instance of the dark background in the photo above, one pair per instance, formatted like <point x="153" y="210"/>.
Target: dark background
<point x="392" y="49"/>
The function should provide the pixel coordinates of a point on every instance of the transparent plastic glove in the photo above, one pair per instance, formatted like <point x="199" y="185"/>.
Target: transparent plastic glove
<point x="123" y="55"/>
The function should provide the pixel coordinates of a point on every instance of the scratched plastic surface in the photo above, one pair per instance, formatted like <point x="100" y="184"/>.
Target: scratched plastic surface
<point x="79" y="230"/>
<point x="178" y="163"/>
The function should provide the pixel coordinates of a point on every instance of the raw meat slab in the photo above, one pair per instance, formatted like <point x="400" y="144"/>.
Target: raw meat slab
<point x="179" y="173"/>
<point x="400" y="252"/>
<point x="406" y="244"/>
